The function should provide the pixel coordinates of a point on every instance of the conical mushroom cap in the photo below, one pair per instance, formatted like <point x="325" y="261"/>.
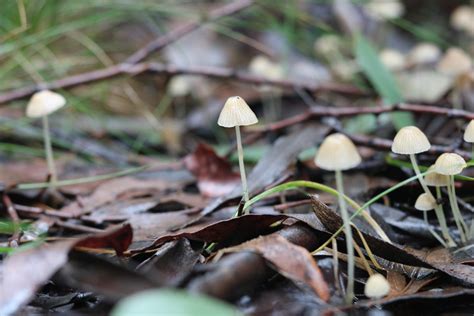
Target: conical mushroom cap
<point x="435" y="179"/>
<point x="236" y="112"/>
<point x="410" y="140"/>
<point x="469" y="132"/>
<point x="450" y="164"/>
<point x="44" y="103"/>
<point x="425" y="202"/>
<point x="377" y="286"/>
<point x="337" y="152"/>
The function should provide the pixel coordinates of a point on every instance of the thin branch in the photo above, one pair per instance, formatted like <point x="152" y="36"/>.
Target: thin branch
<point x="317" y="112"/>
<point x="158" y="68"/>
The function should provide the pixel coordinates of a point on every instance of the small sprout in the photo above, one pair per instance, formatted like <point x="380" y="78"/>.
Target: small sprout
<point x="424" y="53"/>
<point x="42" y="104"/>
<point x="337" y="153"/>
<point x="392" y="59"/>
<point x="377" y="286"/>
<point x="462" y="19"/>
<point x="410" y="140"/>
<point x="451" y="164"/>
<point x="455" y="62"/>
<point x="236" y="113"/>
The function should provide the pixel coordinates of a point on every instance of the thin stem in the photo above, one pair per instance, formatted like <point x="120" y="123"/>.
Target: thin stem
<point x="438" y="208"/>
<point x="49" y="152"/>
<point x="462" y="227"/>
<point x="439" y="211"/>
<point x="348" y="232"/>
<point x="243" y="176"/>
<point x="438" y="237"/>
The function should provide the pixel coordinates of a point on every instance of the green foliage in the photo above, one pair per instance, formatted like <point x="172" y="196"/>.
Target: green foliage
<point x="380" y="78"/>
<point x="172" y="302"/>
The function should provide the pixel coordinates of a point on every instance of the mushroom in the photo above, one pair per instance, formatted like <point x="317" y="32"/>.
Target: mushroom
<point x="451" y="164"/>
<point x="337" y="153"/>
<point x="469" y="135"/>
<point x="42" y="104"/>
<point x="236" y="113"/>
<point x="376" y="286"/>
<point x="438" y="180"/>
<point x="410" y="140"/>
<point x="425" y="203"/>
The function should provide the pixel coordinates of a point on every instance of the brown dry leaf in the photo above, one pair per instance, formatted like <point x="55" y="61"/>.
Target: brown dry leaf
<point x="214" y="174"/>
<point x="24" y="272"/>
<point x="292" y="261"/>
<point x="113" y="190"/>
<point x="397" y="283"/>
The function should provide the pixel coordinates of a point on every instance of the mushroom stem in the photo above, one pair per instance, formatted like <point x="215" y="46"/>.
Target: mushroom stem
<point x="438" y="237"/>
<point x="462" y="227"/>
<point x="240" y="153"/>
<point x="348" y="232"/>
<point x="438" y="209"/>
<point x="49" y="152"/>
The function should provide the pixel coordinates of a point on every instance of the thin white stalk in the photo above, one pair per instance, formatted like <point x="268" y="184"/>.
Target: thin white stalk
<point x="462" y="227"/>
<point x="438" y="209"/>
<point x="442" y="220"/>
<point x="438" y="237"/>
<point x="240" y="153"/>
<point x="49" y="152"/>
<point x="348" y="231"/>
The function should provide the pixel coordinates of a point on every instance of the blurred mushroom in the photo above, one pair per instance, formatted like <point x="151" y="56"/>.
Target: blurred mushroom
<point x="376" y="286"/>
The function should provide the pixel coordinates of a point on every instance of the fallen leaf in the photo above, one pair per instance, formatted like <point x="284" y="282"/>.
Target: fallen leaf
<point x="214" y="174"/>
<point x="290" y="260"/>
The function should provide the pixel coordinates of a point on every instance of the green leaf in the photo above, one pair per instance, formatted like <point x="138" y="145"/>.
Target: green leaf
<point x="172" y="302"/>
<point x="381" y="79"/>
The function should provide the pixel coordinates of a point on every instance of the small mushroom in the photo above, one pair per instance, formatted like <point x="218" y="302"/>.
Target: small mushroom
<point x="236" y="113"/>
<point x="469" y="135"/>
<point x="337" y="153"/>
<point x="451" y="164"/>
<point x="376" y="286"/>
<point x="424" y="53"/>
<point x="42" y="104"/>
<point x="426" y="203"/>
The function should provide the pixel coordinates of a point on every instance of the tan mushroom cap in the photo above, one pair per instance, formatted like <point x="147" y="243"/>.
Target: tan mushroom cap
<point x="377" y="286"/>
<point x="450" y="164"/>
<point x="236" y="112"/>
<point x="44" y="103"/>
<point x="454" y="62"/>
<point x="425" y="202"/>
<point x="410" y="140"/>
<point x="337" y="152"/>
<point x="469" y="132"/>
<point x="435" y="179"/>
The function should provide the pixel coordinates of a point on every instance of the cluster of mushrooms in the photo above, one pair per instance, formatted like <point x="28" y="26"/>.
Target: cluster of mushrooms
<point x="338" y="153"/>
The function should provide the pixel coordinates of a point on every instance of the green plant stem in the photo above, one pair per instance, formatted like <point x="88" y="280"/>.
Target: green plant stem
<point x="348" y="231"/>
<point x="367" y="204"/>
<point x="49" y="152"/>
<point x="462" y="227"/>
<point x="243" y="176"/>
<point x="318" y="186"/>
<point x="438" y="210"/>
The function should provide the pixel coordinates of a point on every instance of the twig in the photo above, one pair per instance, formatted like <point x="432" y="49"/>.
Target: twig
<point x="158" y="68"/>
<point x="13" y="215"/>
<point x="112" y="71"/>
<point x="317" y="112"/>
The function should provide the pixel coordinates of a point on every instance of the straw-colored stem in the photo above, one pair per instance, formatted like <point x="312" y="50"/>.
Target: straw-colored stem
<point x="243" y="176"/>
<point x="462" y="227"/>
<point x="438" y="209"/>
<point x="49" y="152"/>
<point x="348" y="231"/>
